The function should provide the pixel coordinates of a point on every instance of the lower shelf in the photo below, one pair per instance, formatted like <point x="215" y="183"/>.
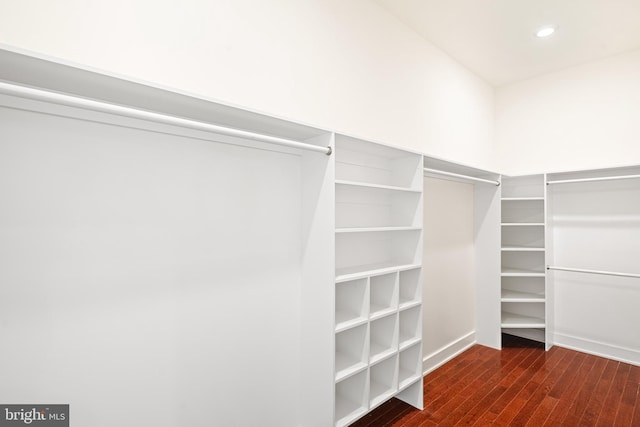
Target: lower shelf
<point x="530" y="334"/>
<point x="513" y="320"/>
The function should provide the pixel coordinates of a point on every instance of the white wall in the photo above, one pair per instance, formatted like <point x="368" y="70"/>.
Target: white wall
<point x="148" y="279"/>
<point x="346" y="66"/>
<point x="449" y="269"/>
<point x="578" y="118"/>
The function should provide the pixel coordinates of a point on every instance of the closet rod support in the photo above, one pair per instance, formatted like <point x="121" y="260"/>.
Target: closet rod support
<point x="467" y="177"/>
<point x="606" y="273"/>
<point x="130" y="112"/>
<point x="602" y="178"/>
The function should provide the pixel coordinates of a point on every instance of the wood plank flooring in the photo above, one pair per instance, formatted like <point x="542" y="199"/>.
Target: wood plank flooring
<point x="522" y="385"/>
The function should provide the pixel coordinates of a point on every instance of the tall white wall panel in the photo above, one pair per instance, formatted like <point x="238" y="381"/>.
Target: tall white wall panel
<point x="147" y="279"/>
<point x="597" y="226"/>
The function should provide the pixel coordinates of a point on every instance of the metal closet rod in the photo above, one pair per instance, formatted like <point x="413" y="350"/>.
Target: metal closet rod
<point x="103" y="107"/>
<point x="457" y="175"/>
<point x="602" y="178"/>
<point x="606" y="273"/>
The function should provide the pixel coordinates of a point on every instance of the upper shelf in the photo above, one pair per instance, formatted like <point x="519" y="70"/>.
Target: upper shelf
<point x="376" y="186"/>
<point x="357" y="272"/>
<point x="521" y="199"/>
<point x="369" y="164"/>
<point x="375" y="229"/>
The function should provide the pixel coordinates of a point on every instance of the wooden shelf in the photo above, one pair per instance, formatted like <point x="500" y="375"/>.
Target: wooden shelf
<point x="517" y="296"/>
<point x="515" y="321"/>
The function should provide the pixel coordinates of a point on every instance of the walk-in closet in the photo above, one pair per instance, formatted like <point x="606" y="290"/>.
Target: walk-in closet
<point x="320" y="214"/>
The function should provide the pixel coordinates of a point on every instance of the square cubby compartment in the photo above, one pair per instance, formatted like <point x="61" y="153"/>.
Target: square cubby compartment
<point x="352" y="398"/>
<point x="383" y="337"/>
<point x="352" y="304"/>
<point x="410" y="327"/>
<point x="383" y="380"/>
<point x="410" y="288"/>
<point x="352" y="351"/>
<point x="383" y="294"/>
<point x="410" y="364"/>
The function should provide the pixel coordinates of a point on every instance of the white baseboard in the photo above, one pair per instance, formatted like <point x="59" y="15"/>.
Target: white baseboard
<point x="597" y="348"/>
<point x="443" y="355"/>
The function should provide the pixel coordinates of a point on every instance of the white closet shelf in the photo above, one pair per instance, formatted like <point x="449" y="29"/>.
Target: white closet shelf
<point x="520" y="199"/>
<point x="375" y="229"/>
<point x="346" y="367"/>
<point x="513" y="272"/>
<point x="516" y="321"/>
<point x="518" y="296"/>
<point x="405" y="305"/>
<point x="407" y="377"/>
<point x="346" y="320"/>
<point x="378" y="312"/>
<point x="348" y="411"/>
<point x="376" y="186"/>
<point x="380" y="393"/>
<point x="521" y="249"/>
<point x="522" y="224"/>
<point x="361" y="271"/>
<point x="406" y="342"/>
<point x="408" y="383"/>
<point x="380" y="352"/>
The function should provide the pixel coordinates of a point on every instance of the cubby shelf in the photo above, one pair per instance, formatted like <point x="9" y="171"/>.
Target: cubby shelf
<point x="360" y="271"/>
<point x="523" y="224"/>
<point x="378" y="238"/>
<point x="351" y="398"/>
<point x="521" y="199"/>
<point x="383" y="380"/>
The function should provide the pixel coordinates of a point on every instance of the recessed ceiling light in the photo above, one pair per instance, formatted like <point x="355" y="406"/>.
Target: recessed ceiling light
<point x="545" y="31"/>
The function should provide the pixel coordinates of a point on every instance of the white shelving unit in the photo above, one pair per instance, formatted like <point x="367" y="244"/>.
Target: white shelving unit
<point x="378" y="239"/>
<point x="523" y="257"/>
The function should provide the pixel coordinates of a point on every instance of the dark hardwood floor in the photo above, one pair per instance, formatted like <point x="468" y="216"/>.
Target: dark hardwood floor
<point x="522" y="385"/>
